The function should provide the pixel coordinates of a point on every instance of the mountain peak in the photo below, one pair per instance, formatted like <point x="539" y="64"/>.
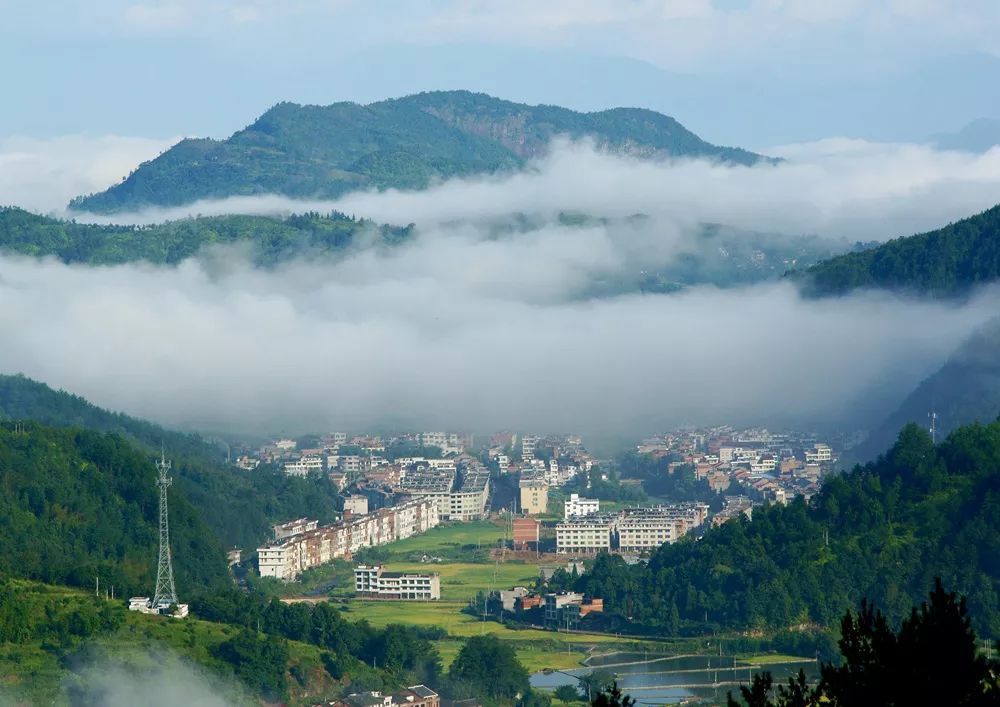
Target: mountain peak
<point x="312" y="151"/>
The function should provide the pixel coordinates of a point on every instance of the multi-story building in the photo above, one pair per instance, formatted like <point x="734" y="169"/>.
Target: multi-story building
<point x="356" y="505"/>
<point x="576" y="506"/>
<point x="433" y="439"/>
<point x="374" y="582"/>
<point x="468" y="501"/>
<point x="632" y="531"/>
<point x="587" y="535"/>
<point x="307" y="464"/>
<point x="528" y="443"/>
<point x="534" y="496"/>
<point x="820" y="453"/>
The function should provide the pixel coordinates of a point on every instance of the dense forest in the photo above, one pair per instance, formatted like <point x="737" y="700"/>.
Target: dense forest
<point x="238" y="506"/>
<point x="77" y="504"/>
<point x="946" y="262"/>
<point x="325" y="151"/>
<point x="883" y="531"/>
<point x="271" y="239"/>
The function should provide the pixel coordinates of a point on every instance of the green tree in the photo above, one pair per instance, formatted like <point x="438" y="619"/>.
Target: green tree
<point x="489" y="667"/>
<point x="613" y="697"/>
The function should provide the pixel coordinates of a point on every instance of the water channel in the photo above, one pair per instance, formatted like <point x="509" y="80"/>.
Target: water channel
<point x="656" y="680"/>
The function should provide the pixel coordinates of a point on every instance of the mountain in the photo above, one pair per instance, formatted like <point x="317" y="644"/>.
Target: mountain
<point x="947" y="262"/>
<point x="78" y="504"/>
<point x="238" y="507"/>
<point x="965" y="390"/>
<point x="883" y="531"/>
<point x="978" y="136"/>
<point x="325" y="151"/>
<point x="273" y="239"/>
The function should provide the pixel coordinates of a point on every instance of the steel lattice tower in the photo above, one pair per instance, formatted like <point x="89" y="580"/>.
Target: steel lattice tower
<point x="166" y="593"/>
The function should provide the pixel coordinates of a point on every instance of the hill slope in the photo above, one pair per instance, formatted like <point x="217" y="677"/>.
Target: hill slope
<point x="273" y="239"/>
<point x="966" y="389"/>
<point x="948" y="261"/>
<point x="326" y="151"/>
<point x="239" y="507"/>
<point x="76" y="504"/>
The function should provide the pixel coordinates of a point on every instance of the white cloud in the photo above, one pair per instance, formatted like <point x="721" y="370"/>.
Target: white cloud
<point x="473" y="325"/>
<point x="844" y="189"/>
<point x="159" y="17"/>
<point x="44" y="174"/>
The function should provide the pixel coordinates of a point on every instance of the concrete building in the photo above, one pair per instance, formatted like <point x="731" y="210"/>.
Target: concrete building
<point x="588" y="535"/>
<point x="528" y="443"/>
<point x="576" y="506"/>
<point x="305" y="465"/>
<point x="374" y="582"/>
<point x="534" y="496"/>
<point x="821" y="453"/>
<point x="356" y="505"/>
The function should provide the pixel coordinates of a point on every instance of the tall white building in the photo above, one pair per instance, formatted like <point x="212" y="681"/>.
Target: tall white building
<point x="374" y="581"/>
<point x="587" y="535"/>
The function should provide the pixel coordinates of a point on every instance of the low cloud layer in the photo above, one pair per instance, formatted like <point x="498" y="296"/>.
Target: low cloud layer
<point x="379" y="340"/>
<point x="843" y="189"/>
<point x="155" y="678"/>
<point x="473" y="326"/>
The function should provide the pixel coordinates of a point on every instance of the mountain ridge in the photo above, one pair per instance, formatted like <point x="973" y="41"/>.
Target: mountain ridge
<point x="309" y="151"/>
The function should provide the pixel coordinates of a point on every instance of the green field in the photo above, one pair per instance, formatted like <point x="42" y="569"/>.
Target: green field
<point x="449" y="540"/>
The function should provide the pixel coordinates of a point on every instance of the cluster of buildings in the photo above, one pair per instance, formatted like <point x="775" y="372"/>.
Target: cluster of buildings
<point x="413" y="696"/>
<point x="553" y="609"/>
<point x="301" y="544"/>
<point x="374" y="582"/>
<point x="460" y="491"/>
<point x="778" y="466"/>
<point x="631" y="531"/>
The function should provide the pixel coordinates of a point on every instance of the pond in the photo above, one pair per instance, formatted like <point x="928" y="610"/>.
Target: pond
<point x="670" y="680"/>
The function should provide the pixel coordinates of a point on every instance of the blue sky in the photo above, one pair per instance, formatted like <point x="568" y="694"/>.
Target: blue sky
<point x="748" y="72"/>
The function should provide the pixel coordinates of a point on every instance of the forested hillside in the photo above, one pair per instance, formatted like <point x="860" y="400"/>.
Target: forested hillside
<point x="946" y="262"/>
<point x="238" y="506"/>
<point x="325" y="151"/>
<point x="883" y="531"/>
<point x="77" y="504"/>
<point x="272" y="239"/>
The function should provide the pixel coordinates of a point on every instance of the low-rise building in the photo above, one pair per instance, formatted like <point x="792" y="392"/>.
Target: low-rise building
<point x="576" y="506"/>
<point x="374" y="582"/>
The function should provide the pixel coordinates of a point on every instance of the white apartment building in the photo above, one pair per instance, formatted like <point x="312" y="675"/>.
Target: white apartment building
<point x="339" y="438"/>
<point x="280" y="561"/>
<point x="528" y="443"/>
<point x="587" y="535"/>
<point x="821" y="453"/>
<point x="375" y="582"/>
<point x="576" y="506"/>
<point x="285" y="445"/>
<point x="641" y="530"/>
<point x="433" y="439"/>
<point x="306" y="465"/>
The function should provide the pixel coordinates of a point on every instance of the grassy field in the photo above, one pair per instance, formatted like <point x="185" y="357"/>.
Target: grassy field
<point x="535" y="648"/>
<point x="448" y="541"/>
